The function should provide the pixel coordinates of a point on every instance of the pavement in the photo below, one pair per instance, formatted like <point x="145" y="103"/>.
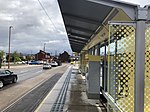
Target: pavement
<point x="69" y="95"/>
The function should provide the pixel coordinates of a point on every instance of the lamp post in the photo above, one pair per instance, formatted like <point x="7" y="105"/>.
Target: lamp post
<point x="44" y="46"/>
<point x="9" y="36"/>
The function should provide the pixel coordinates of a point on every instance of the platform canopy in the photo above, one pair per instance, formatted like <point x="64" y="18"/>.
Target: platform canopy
<point x="82" y="19"/>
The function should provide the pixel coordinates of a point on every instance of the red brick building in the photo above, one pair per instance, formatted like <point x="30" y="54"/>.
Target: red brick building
<point x="64" y="57"/>
<point x="42" y="56"/>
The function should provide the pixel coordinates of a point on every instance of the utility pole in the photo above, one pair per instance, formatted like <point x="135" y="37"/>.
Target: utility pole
<point x="44" y="46"/>
<point x="55" y="52"/>
<point x="9" y="36"/>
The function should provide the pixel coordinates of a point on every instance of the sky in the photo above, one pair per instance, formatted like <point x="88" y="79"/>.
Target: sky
<point x="142" y="3"/>
<point x="32" y="27"/>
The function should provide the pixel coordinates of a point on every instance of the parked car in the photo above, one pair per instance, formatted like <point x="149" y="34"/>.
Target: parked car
<point x="47" y="66"/>
<point x="54" y="64"/>
<point x="34" y="63"/>
<point x="7" y="76"/>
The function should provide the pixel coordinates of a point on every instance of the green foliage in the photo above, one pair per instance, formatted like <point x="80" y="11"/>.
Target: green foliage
<point x="15" y="57"/>
<point x="2" y="53"/>
<point x="29" y="57"/>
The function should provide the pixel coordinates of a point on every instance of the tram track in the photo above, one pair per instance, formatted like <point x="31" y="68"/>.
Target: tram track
<point x="11" y="95"/>
<point x="30" y="101"/>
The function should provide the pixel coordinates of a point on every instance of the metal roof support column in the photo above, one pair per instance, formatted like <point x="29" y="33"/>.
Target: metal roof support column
<point x="142" y="17"/>
<point x="139" y="66"/>
<point x="98" y="49"/>
<point x="105" y="70"/>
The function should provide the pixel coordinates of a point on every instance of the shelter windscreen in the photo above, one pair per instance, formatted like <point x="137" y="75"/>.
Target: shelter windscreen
<point x="121" y="66"/>
<point x="147" y="71"/>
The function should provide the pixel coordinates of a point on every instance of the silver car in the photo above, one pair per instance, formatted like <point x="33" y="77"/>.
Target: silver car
<point x="47" y="66"/>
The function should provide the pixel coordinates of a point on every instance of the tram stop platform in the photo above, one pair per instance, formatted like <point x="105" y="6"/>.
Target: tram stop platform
<point x="69" y="95"/>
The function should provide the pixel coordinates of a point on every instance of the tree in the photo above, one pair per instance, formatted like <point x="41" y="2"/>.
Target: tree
<point x="29" y="57"/>
<point x="16" y="57"/>
<point x="21" y="57"/>
<point x="2" y="53"/>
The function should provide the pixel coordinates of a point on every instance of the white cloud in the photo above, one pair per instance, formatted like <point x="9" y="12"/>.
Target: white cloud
<point x="53" y="41"/>
<point x="6" y="17"/>
<point x="31" y="27"/>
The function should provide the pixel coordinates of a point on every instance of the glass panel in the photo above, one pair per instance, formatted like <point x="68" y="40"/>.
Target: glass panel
<point x="102" y="51"/>
<point x="121" y="66"/>
<point x="147" y="72"/>
<point x="95" y="52"/>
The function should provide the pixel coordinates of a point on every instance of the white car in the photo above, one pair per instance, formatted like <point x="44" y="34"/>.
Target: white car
<point x="47" y="66"/>
<point x="54" y="64"/>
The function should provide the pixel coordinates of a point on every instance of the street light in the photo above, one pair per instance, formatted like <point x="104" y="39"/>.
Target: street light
<point x="9" y="36"/>
<point x="44" y="46"/>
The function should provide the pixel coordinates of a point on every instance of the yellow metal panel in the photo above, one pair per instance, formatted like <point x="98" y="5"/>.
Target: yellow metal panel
<point x="103" y="35"/>
<point x="83" y="62"/>
<point x="92" y="57"/>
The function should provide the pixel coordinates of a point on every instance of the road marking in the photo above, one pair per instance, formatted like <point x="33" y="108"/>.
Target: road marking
<point x="25" y="94"/>
<point x="41" y="82"/>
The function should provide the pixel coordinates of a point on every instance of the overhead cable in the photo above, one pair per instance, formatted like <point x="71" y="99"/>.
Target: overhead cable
<point x="47" y="14"/>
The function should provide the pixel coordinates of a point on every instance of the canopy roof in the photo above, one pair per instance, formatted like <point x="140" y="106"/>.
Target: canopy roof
<point x="82" y="18"/>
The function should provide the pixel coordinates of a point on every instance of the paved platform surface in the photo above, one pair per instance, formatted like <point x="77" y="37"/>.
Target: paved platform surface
<point x="69" y="95"/>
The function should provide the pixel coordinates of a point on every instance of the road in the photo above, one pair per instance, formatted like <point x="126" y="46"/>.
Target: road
<point x="30" y="78"/>
<point x="28" y="71"/>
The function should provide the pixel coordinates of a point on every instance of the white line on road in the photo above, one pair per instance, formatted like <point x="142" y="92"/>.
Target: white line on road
<point x="24" y="95"/>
